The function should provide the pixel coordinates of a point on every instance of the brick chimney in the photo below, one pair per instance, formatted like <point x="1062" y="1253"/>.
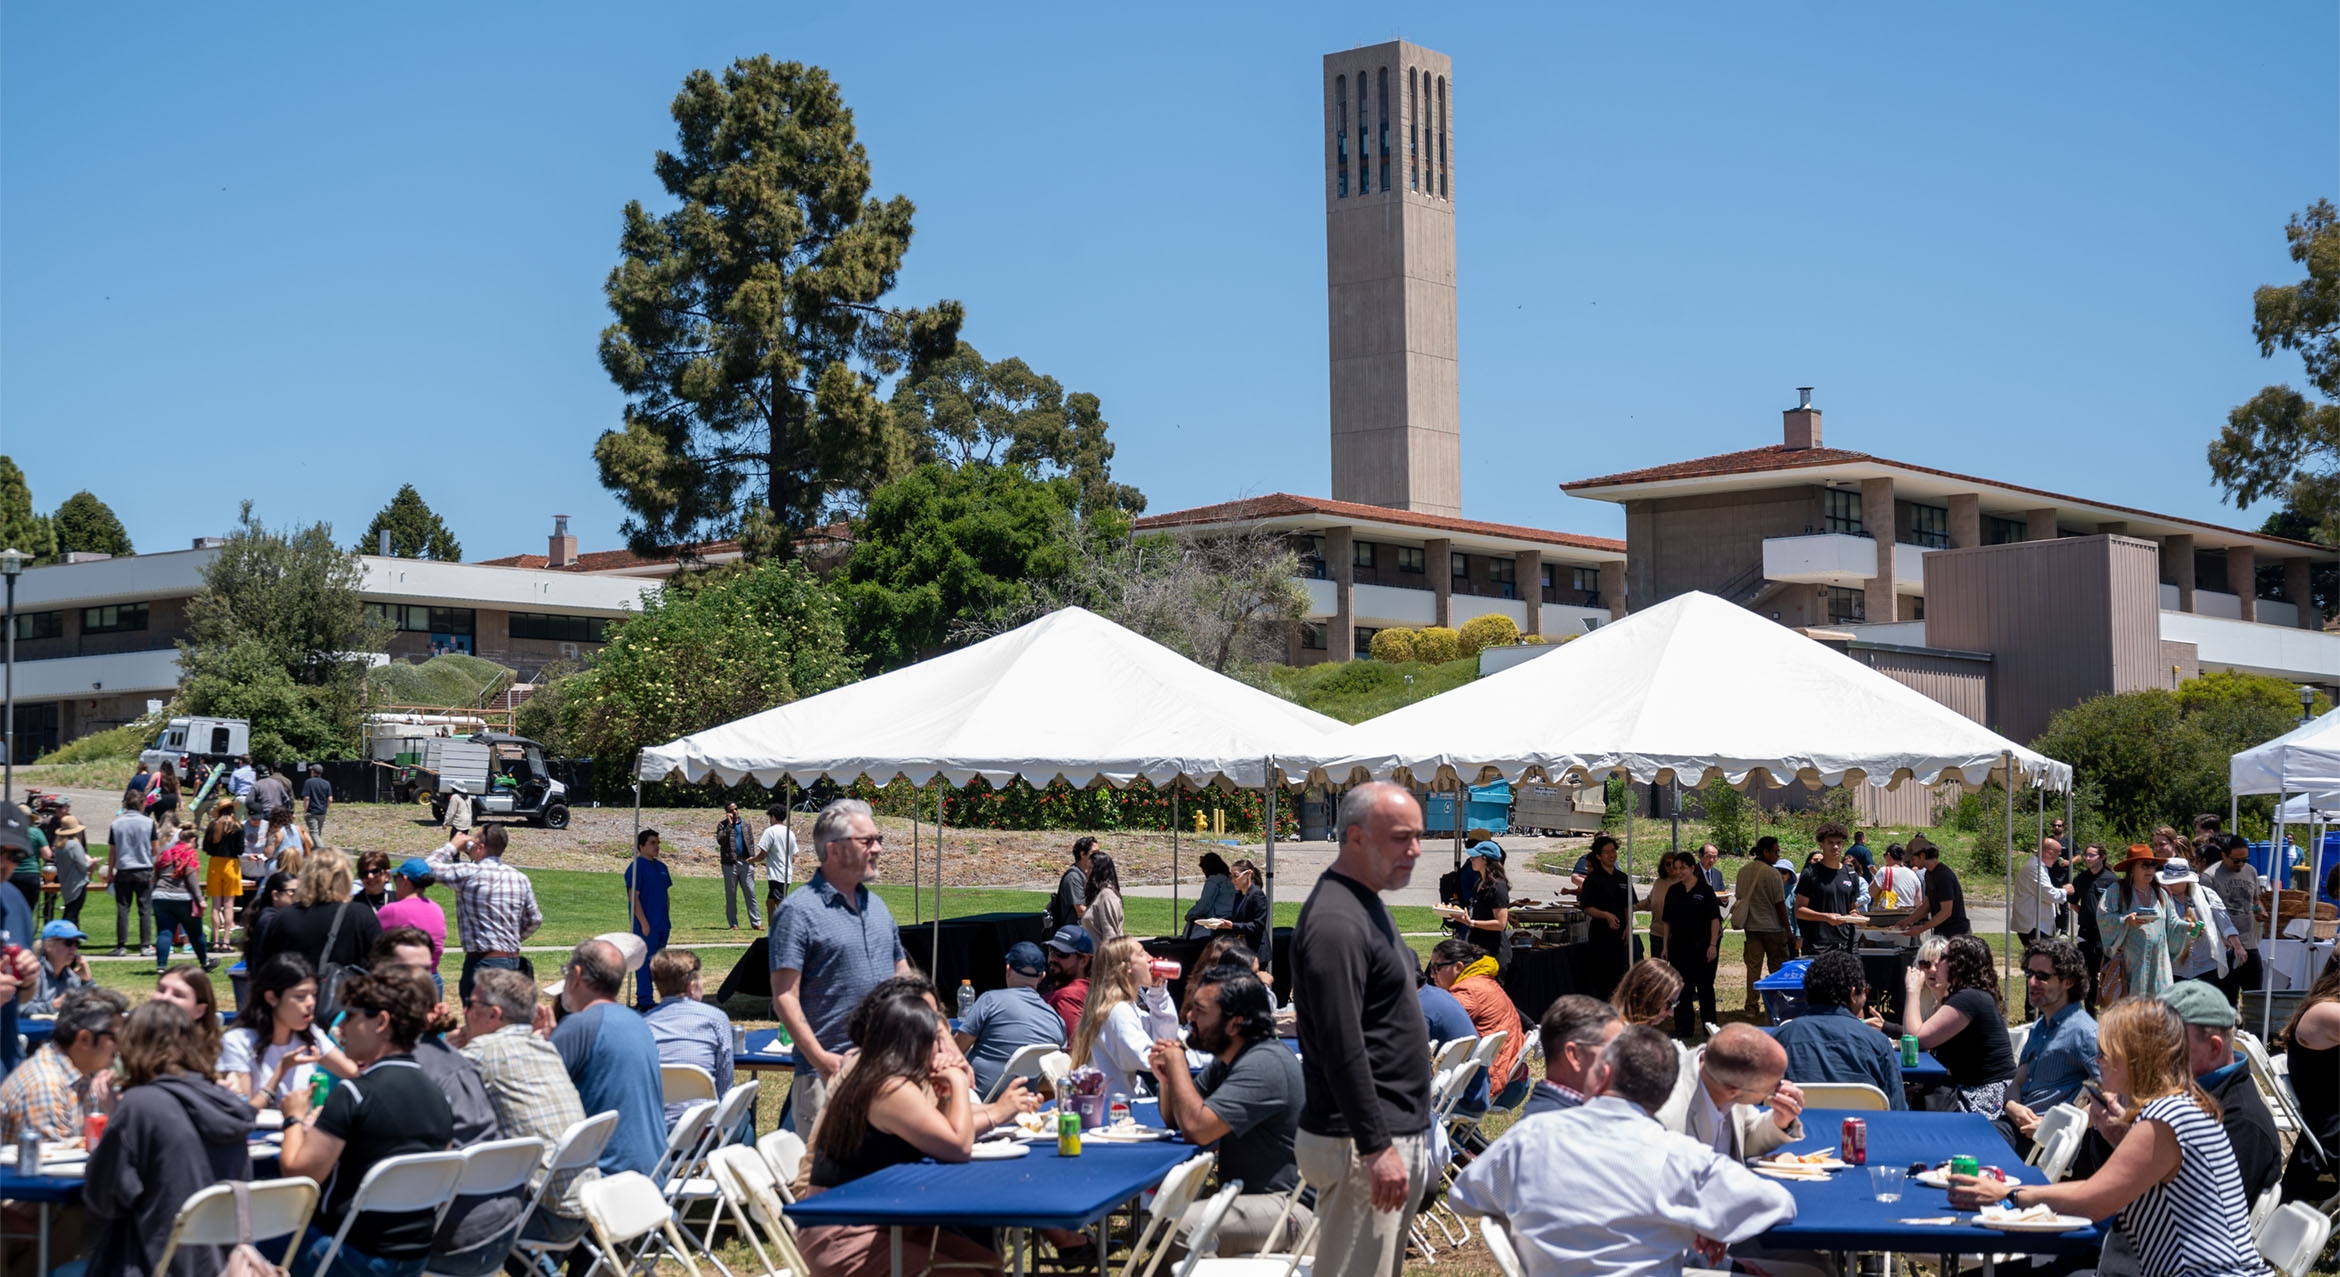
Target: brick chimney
<point x="1802" y="421"/>
<point x="562" y="551"/>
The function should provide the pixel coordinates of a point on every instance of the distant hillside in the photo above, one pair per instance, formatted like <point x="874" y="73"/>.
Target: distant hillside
<point x="1353" y="691"/>
<point x="450" y="679"/>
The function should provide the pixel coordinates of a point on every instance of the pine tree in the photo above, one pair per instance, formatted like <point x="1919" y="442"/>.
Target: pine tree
<point x="87" y="524"/>
<point x="20" y="528"/>
<point x="416" y="532"/>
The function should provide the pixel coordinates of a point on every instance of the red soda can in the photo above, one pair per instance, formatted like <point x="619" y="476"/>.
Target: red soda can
<point x="1853" y="1145"/>
<point x="93" y="1128"/>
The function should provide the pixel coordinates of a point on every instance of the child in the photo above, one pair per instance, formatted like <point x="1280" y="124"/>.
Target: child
<point x="647" y="881"/>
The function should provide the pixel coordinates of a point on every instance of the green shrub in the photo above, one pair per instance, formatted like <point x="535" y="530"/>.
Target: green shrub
<point x="1436" y="645"/>
<point x="1394" y="645"/>
<point x="110" y="745"/>
<point x="1730" y="816"/>
<point x="1482" y="632"/>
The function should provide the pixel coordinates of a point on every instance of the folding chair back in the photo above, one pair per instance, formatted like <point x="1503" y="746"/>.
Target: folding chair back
<point x="682" y="1143"/>
<point x="784" y="1152"/>
<point x="499" y="1166"/>
<point x="1498" y="1240"/>
<point x="683" y="1083"/>
<point x="2057" y="1140"/>
<point x="1054" y="1066"/>
<point x="2294" y="1238"/>
<point x="753" y="1195"/>
<point x="1842" y="1095"/>
<point x="415" y="1182"/>
<point x="279" y="1208"/>
<point x="579" y="1151"/>
<point x="1024" y="1063"/>
<point x="2017" y="1035"/>
<point x="731" y="1112"/>
<point x="2275" y="1088"/>
<point x="627" y="1215"/>
<point x="1446" y="1055"/>
<point x="1177" y="1192"/>
<point x="1206" y="1228"/>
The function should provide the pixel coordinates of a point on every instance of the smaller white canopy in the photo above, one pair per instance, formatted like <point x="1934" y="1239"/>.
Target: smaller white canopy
<point x="2305" y="759"/>
<point x="1070" y="695"/>
<point x="1689" y="687"/>
<point x="2300" y="809"/>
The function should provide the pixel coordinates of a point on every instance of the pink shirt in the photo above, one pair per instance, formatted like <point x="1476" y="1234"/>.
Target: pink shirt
<point x="419" y="912"/>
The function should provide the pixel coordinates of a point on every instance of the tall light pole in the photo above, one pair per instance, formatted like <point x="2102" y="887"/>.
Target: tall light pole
<point x="11" y="563"/>
<point x="2307" y="701"/>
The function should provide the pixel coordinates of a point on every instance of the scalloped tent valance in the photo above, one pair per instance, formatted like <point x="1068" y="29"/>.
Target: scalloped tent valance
<point x="1694" y="688"/>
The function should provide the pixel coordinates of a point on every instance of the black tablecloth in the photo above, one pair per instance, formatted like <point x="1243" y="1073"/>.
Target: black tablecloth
<point x="1887" y="974"/>
<point x="973" y="948"/>
<point x="1536" y="977"/>
<point x="1184" y="952"/>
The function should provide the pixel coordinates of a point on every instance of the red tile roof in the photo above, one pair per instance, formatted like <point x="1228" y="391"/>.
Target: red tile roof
<point x="1284" y="505"/>
<point x="606" y="560"/>
<point x="1778" y="457"/>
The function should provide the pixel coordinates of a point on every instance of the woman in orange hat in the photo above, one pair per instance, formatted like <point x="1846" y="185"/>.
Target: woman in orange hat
<point x="2141" y="927"/>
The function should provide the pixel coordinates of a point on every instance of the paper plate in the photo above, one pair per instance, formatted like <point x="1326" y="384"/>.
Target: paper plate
<point x="1832" y="1164"/>
<point x="2052" y="1224"/>
<point x="1791" y="1174"/>
<point x="998" y="1151"/>
<point x="1932" y="1179"/>
<point x="268" y="1120"/>
<point x="1127" y="1134"/>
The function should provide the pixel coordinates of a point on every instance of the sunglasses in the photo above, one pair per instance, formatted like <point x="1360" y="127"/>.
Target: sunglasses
<point x="2039" y="975"/>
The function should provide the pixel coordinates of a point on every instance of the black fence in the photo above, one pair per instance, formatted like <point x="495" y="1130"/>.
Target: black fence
<point x="356" y="780"/>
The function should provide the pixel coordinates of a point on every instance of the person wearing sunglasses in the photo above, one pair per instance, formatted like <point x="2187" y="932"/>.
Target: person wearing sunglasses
<point x="833" y="940"/>
<point x="2059" y="1055"/>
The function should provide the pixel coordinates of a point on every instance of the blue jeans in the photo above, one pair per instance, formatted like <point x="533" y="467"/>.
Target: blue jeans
<point x="472" y="963"/>
<point x="347" y="1262"/>
<point x="644" y="995"/>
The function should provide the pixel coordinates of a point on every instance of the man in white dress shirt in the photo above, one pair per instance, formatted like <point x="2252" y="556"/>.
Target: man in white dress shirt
<point x="1602" y="1188"/>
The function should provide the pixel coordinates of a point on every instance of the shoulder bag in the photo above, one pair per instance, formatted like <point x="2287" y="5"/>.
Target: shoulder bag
<point x="330" y="974"/>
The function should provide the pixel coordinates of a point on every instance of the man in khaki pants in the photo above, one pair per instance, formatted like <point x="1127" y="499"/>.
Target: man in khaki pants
<point x="1759" y="908"/>
<point x="1364" y="1049"/>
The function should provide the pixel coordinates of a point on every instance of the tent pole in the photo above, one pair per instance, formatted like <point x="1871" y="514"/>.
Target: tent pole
<point x="637" y="797"/>
<point x="2276" y="859"/>
<point x="1267" y="782"/>
<point x="934" y="954"/>
<point x="1674" y="800"/>
<point x="2007" y="916"/>
<point x="1176" y="783"/>
<point x="1632" y="813"/>
<point x="918" y="896"/>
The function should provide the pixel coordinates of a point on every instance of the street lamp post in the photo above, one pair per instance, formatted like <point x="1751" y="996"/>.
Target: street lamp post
<point x="11" y="563"/>
<point x="2307" y="700"/>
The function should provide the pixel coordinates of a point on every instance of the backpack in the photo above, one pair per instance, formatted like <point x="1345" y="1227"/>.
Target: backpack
<point x="332" y="975"/>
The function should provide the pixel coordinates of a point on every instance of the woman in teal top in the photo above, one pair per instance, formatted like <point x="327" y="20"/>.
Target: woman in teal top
<point x="2141" y="925"/>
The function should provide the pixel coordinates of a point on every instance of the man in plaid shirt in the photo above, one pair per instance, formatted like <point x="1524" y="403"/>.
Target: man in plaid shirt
<point x="529" y="1087"/>
<point x="51" y="1092"/>
<point x="495" y="905"/>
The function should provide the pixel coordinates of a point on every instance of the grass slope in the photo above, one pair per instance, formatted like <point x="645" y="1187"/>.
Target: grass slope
<point x="1353" y="691"/>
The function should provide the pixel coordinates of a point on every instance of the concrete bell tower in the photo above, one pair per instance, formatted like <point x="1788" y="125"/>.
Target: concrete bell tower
<point x="1389" y="274"/>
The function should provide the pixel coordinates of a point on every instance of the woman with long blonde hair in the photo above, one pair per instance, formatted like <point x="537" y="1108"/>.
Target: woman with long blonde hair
<point x="1128" y="1010"/>
<point x="323" y="925"/>
<point x="2172" y="1176"/>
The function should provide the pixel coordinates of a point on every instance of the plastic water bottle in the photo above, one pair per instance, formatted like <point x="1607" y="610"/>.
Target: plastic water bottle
<point x="966" y="997"/>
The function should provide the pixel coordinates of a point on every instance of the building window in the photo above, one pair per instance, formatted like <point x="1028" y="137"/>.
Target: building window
<point x="1361" y="553"/>
<point x="1913" y="606"/>
<point x="1413" y="131"/>
<point x="114" y="618"/>
<point x="1998" y="531"/>
<point x="40" y="625"/>
<point x="1587" y="583"/>
<point x="1929" y="526"/>
<point x="1505" y="575"/>
<point x="1458" y="566"/>
<point x="557" y="628"/>
<point x="1410" y="559"/>
<point x="1312" y="636"/>
<point x="1546" y="573"/>
<point x="1383" y="79"/>
<point x="414" y="618"/>
<point x="1440" y="131"/>
<point x="1840" y="511"/>
<point x="1312" y="559"/>
<point x="1844" y="606"/>
<point x="1365" y="642"/>
<point x="1341" y="132"/>
<point x="1364" y="168"/>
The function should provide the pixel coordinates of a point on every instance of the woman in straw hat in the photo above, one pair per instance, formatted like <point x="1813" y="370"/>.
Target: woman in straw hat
<point x="2141" y="926"/>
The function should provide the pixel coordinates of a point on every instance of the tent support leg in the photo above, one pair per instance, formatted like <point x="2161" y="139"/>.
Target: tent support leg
<point x="2007" y="917"/>
<point x="918" y="896"/>
<point x="637" y="798"/>
<point x="1267" y="780"/>
<point x="1176" y="783"/>
<point x="2276" y="860"/>
<point x="934" y="952"/>
<point x="1632" y="813"/>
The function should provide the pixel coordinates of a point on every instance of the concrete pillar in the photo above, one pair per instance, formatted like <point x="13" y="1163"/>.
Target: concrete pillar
<point x="2112" y="529"/>
<point x="1340" y="636"/>
<point x="1528" y="576"/>
<point x="1881" y="604"/>
<point x="1613" y="590"/>
<point x="2242" y="578"/>
<point x="2039" y="525"/>
<point x="1965" y="520"/>
<point x="2299" y="586"/>
<point x="1436" y="558"/>
<point x="2177" y="566"/>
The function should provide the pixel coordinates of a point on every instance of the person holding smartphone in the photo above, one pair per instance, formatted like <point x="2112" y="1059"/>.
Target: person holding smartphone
<point x="2141" y="927"/>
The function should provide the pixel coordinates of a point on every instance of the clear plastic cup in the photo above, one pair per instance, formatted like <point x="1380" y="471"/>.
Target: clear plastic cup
<point x="1885" y="1182"/>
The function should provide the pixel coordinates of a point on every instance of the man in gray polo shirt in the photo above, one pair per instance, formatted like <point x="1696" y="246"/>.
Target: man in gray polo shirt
<point x="832" y="942"/>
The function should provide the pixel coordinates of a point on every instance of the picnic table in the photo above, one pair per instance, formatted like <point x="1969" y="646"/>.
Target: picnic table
<point x="1928" y="1071"/>
<point x="1844" y="1216"/>
<point x="1038" y="1190"/>
<point x="48" y="1192"/>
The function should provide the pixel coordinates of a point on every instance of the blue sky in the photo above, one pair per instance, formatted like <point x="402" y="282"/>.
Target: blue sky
<point x="304" y="254"/>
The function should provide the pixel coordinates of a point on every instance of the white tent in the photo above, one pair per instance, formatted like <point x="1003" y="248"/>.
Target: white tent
<point x="1071" y="695"/>
<point x="2305" y="762"/>
<point x="1691" y="687"/>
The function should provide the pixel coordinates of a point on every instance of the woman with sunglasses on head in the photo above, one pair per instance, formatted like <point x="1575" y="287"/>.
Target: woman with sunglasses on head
<point x="1968" y="1032"/>
<point x="2141" y="924"/>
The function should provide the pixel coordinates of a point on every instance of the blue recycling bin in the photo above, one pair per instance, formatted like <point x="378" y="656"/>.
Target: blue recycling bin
<point x="1783" y="990"/>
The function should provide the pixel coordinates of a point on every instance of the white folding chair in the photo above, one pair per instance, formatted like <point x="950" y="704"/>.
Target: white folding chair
<point x="784" y="1152"/>
<point x="1178" y="1190"/>
<point x="2264" y="1209"/>
<point x="682" y="1142"/>
<point x="492" y="1169"/>
<point x="2056" y="1142"/>
<point x="1445" y="1055"/>
<point x="1843" y="1095"/>
<point x="578" y="1152"/>
<point x="689" y="1182"/>
<point x="1054" y="1066"/>
<point x="683" y="1083"/>
<point x="278" y="1208"/>
<point x="2275" y="1087"/>
<point x="2017" y="1035"/>
<point x="415" y="1182"/>
<point x="1498" y="1239"/>
<point x="2294" y="1239"/>
<point x="1024" y="1063"/>
<point x="1206" y="1230"/>
<point x="627" y="1210"/>
<point x="754" y="1197"/>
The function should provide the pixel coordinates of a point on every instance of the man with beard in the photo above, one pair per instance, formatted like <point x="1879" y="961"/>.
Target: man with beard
<point x="1246" y="1105"/>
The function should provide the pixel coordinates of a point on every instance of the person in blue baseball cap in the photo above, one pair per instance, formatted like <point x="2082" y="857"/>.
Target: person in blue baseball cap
<point x="1006" y="1020"/>
<point x="62" y="969"/>
<point x="1066" y="987"/>
<point x="409" y="907"/>
<point x="1486" y="920"/>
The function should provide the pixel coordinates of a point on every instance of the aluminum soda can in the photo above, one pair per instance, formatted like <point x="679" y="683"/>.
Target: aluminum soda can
<point x="1965" y="1165"/>
<point x="1853" y="1143"/>
<point x="28" y="1151"/>
<point x="1068" y="1133"/>
<point x="1909" y="1051"/>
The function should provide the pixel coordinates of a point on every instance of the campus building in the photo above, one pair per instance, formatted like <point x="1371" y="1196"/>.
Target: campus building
<point x="1391" y="547"/>
<point x="97" y="638"/>
<point x="2002" y="599"/>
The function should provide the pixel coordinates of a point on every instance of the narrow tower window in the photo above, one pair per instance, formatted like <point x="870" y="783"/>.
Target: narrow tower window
<point x="1364" y="166"/>
<point x="1413" y="131"/>
<point x="1341" y="132"/>
<point x="1441" y="134"/>
<point x="1383" y="85"/>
